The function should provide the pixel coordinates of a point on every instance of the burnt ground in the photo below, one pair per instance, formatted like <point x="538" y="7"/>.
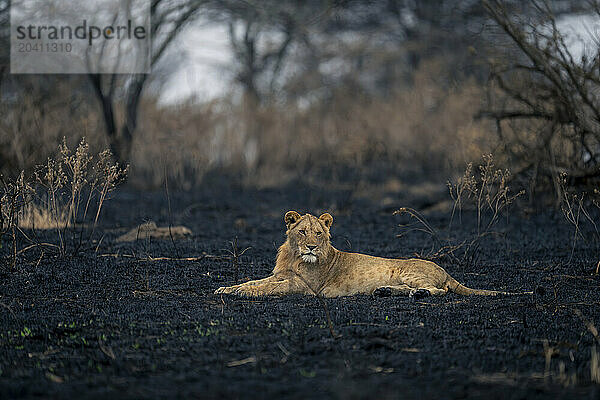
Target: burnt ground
<point x="112" y="323"/>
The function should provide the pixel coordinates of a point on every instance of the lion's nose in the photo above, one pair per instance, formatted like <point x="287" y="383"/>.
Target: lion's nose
<point x="311" y="247"/>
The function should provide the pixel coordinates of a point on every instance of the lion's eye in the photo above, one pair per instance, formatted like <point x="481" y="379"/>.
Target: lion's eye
<point x="319" y="233"/>
<point x="302" y="232"/>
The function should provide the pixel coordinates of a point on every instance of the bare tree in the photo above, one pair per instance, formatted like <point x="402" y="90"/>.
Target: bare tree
<point x="168" y="18"/>
<point x="555" y="91"/>
<point x="261" y="35"/>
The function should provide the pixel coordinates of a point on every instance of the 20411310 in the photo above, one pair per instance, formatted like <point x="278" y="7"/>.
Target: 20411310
<point x="45" y="47"/>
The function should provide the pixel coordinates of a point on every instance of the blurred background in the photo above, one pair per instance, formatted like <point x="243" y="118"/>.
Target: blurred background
<point x="264" y="93"/>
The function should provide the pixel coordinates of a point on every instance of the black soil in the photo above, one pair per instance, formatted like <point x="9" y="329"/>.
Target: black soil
<point x="115" y="322"/>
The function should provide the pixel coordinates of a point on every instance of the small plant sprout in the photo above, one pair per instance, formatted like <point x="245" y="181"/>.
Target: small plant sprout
<point x="234" y="256"/>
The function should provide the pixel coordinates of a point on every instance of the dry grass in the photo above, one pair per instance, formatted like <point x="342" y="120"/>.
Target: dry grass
<point x="574" y="206"/>
<point x="423" y="125"/>
<point x="426" y="125"/>
<point x="74" y="187"/>
<point x="14" y="196"/>
<point x="36" y="216"/>
<point x="487" y="194"/>
<point x="67" y="196"/>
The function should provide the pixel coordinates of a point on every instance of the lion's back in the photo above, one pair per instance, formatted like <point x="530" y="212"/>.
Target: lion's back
<point x="362" y="273"/>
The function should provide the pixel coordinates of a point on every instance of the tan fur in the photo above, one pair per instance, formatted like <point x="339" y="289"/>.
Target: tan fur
<point x="337" y="273"/>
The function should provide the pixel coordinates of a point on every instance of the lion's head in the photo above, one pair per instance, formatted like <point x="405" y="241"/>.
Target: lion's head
<point x="308" y="235"/>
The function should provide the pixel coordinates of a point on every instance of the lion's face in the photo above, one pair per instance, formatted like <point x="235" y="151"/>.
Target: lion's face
<point x="308" y="235"/>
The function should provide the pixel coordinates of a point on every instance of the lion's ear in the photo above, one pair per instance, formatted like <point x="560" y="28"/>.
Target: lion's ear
<point x="327" y="219"/>
<point x="291" y="217"/>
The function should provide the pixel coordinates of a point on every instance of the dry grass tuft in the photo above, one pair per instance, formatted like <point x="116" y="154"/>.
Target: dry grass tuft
<point x="66" y="195"/>
<point x="36" y="216"/>
<point x="574" y="207"/>
<point x="487" y="193"/>
<point x="14" y="196"/>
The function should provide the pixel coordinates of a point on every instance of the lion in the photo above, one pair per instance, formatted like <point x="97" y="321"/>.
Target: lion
<point x="307" y="263"/>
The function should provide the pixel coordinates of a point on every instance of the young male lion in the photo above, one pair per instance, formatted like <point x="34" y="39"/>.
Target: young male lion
<point x="307" y="263"/>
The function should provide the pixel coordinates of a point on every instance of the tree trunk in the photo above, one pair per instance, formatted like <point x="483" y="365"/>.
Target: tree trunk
<point x="131" y="113"/>
<point x="120" y="141"/>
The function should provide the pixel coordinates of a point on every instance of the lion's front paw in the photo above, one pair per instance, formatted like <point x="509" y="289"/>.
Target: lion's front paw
<point x="383" y="291"/>
<point x="244" y="290"/>
<point x="224" y="290"/>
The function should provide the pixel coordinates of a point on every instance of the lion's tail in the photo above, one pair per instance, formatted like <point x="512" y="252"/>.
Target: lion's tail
<point x="455" y="286"/>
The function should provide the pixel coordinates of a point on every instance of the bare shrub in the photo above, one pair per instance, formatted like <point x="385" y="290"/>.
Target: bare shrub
<point x="66" y="196"/>
<point x="544" y="97"/>
<point x="487" y="194"/>
<point x="574" y="207"/>
<point x="15" y="196"/>
<point x="76" y="188"/>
